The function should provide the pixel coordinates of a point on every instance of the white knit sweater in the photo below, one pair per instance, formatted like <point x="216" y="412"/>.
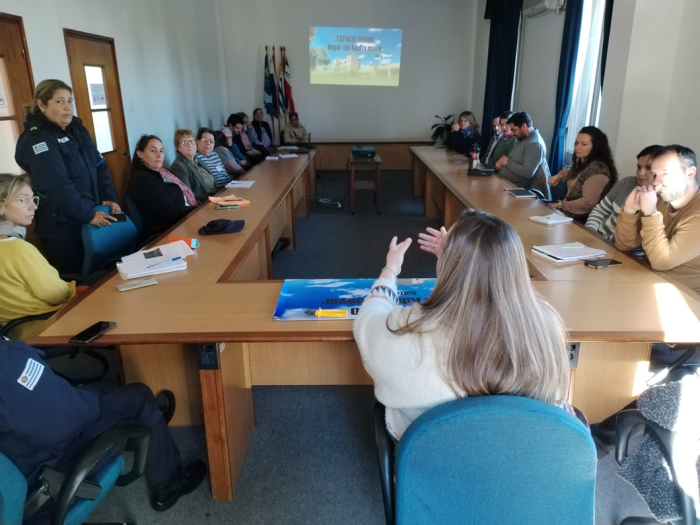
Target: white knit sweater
<point x="407" y="376"/>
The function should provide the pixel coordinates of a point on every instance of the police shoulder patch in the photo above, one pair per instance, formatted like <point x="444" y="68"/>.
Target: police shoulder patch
<point x="31" y="374"/>
<point x="40" y="148"/>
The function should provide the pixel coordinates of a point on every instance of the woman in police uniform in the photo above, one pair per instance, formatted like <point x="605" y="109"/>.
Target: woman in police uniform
<point x="67" y="172"/>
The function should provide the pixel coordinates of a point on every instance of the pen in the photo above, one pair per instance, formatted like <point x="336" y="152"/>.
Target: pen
<point x="163" y="262"/>
<point x="327" y="313"/>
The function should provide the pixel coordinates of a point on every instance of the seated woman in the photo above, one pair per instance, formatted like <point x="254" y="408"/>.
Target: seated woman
<point x="465" y="134"/>
<point x="189" y="169"/>
<point x="211" y="159"/>
<point x="29" y="285"/>
<point x="161" y="198"/>
<point x="483" y="331"/>
<point x="222" y="143"/>
<point x="259" y="132"/>
<point x="591" y="175"/>
<point x="294" y="132"/>
<point x="248" y="148"/>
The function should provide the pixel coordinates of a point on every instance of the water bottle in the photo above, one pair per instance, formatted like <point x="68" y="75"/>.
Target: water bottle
<point x="474" y="162"/>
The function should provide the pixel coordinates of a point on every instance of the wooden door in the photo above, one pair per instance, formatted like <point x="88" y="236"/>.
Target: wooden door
<point x="16" y="88"/>
<point x="98" y="100"/>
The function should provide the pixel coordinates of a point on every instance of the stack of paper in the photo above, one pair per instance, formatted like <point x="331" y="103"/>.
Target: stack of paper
<point x="229" y="200"/>
<point x="568" y="252"/>
<point x="161" y="259"/>
<point x="288" y="155"/>
<point x="272" y="157"/>
<point x="240" y="184"/>
<point x="554" y="218"/>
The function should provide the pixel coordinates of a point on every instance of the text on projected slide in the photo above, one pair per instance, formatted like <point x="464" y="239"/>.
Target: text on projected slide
<point x="355" y="56"/>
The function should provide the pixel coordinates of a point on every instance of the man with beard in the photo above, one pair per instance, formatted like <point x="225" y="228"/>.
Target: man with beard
<point x="668" y="228"/>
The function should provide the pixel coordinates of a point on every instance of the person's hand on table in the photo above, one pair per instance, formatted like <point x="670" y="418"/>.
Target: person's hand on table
<point x="113" y="206"/>
<point x="647" y="199"/>
<point x="394" y="257"/>
<point x="433" y="241"/>
<point x="501" y="162"/>
<point x="102" y="219"/>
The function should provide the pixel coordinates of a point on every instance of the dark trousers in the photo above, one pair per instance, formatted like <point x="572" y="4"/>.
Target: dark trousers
<point x="663" y="355"/>
<point x="66" y="251"/>
<point x="133" y="404"/>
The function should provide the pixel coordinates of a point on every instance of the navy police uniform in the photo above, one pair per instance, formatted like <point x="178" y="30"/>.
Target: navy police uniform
<point x="46" y="422"/>
<point x="70" y="177"/>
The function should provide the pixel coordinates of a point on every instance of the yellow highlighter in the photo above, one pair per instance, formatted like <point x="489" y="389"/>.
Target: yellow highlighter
<point x="339" y="314"/>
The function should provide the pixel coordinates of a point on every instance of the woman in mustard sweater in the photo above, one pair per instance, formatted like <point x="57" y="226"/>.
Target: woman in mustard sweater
<point x="29" y="285"/>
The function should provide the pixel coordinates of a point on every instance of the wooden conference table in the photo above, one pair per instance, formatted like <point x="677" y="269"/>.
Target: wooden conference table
<point x="224" y="297"/>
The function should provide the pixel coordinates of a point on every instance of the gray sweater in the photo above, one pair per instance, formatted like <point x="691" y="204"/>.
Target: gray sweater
<point x="603" y="217"/>
<point x="527" y="164"/>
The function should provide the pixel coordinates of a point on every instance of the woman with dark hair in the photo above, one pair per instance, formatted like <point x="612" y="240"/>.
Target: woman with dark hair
<point x="67" y="172"/>
<point x="473" y="336"/>
<point x="259" y="131"/>
<point x="221" y="147"/>
<point x="591" y="175"/>
<point x="464" y="134"/>
<point x="160" y="197"/>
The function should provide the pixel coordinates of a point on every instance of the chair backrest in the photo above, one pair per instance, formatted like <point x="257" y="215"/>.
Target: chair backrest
<point x="13" y="492"/>
<point x="106" y="243"/>
<point x="135" y="215"/>
<point x="494" y="460"/>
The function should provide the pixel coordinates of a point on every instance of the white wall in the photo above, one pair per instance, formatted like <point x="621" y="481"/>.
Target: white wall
<point x="169" y="59"/>
<point x="481" y="30"/>
<point x="436" y="68"/>
<point x="536" y="91"/>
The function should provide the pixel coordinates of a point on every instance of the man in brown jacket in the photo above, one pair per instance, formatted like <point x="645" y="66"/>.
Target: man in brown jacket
<point x="667" y="228"/>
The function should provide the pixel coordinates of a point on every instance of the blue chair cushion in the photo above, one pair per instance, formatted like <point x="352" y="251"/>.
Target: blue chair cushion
<point x="103" y="244"/>
<point x="13" y="492"/>
<point x="106" y="477"/>
<point x="495" y="460"/>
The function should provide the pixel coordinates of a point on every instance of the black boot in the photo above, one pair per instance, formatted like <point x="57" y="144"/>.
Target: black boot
<point x="165" y="400"/>
<point x="185" y="481"/>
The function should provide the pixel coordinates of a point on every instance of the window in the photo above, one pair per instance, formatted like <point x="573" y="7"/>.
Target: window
<point x="585" y="103"/>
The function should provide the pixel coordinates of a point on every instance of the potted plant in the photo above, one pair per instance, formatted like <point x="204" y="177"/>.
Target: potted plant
<point x="441" y="129"/>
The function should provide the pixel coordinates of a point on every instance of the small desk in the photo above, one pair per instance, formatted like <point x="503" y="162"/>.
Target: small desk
<point x="375" y="163"/>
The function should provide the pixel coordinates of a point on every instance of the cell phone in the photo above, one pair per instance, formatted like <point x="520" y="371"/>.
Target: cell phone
<point x="92" y="333"/>
<point x="121" y="217"/>
<point x="139" y="283"/>
<point x="602" y="263"/>
<point x="229" y="207"/>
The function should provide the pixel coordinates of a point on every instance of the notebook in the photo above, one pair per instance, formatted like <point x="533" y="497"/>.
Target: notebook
<point x="567" y="252"/>
<point x="240" y="184"/>
<point x="553" y="218"/>
<point x="522" y="194"/>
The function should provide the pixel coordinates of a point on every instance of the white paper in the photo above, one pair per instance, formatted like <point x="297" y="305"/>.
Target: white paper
<point x="571" y="251"/>
<point x="161" y="253"/>
<point x="288" y="155"/>
<point x="272" y="157"/>
<point x="142" y="268"/>
<point x="240" y="184"/>
<point x="553" y="218"/>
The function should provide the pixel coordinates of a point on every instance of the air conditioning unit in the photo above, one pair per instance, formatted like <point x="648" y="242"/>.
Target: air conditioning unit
<point x="535" y="8"/>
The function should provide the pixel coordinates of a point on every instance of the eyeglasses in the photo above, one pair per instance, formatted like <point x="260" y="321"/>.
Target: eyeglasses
<point x="207" y="141"/>
<point x="186" y="142"/>
<point x="25" y="202"/>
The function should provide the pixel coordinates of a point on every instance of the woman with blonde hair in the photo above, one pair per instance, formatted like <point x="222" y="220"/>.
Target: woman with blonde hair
<point x="464" y="133"/>
<point x="483" y="331"/>
<point x="29" y="285"/>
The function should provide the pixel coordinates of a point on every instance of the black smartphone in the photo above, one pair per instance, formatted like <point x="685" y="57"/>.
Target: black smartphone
<point x="121" y="217"/>
<point x="227" y="207"/>
<point x="92" y="333"/>
<point x="602" y="263"/>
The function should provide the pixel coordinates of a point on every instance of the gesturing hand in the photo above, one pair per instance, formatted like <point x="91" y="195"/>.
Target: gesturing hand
<point x="632" y="205"/>
<point x="647" y="199"/>
<point x="394" y="258"/>
<point x="455" y="127"/>
<point x="433" y="241"/>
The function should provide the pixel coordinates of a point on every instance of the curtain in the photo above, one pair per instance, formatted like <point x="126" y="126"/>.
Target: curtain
<point x="565" y="84"/>
<point x="607" y="23"/>
<point x="503" y="49"/>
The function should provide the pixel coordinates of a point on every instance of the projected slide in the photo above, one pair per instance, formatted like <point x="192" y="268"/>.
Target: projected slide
<point x="355" y="57"/>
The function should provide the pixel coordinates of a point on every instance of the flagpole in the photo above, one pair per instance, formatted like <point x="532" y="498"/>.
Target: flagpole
<point x="267" y="78"/>
<point x="276" y="100"/>
<point x="284" y="61"/>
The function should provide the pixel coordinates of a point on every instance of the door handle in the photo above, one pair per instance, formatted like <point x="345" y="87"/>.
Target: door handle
<point x="125" y="153"/>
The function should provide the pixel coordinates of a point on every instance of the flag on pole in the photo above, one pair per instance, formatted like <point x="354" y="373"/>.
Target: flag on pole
<point x="268" y="87"/>
<point x="280" y="87"/>
<point x="287" y="86"/>
<point x="273" y="83"/>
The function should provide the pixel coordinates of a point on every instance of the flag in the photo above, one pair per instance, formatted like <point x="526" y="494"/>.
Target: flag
<point x="287" y="86"/>
<point x="267" y="96"/>
<point x="280" y="87"/>
<point x="273" y="84"/>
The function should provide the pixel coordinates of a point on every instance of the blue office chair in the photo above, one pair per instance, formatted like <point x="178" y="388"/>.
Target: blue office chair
<point x="78" y="494"/>
<point x="491" y="460"/>
<point x="103" y="245"/>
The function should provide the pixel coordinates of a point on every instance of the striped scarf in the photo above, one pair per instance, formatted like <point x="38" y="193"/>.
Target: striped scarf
<point x="169" y="177"/>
